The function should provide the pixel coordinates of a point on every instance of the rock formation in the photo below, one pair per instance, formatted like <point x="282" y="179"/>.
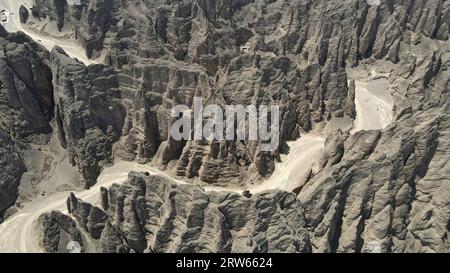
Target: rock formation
<point x="386" y="186"/>
<point x="26" y="86"/>
<point x="26" y="106"/>
<point x="56" y="230"/>
<point x="12" y="168"/>
<point x="153" y="214"/>
<point x="292" y="54"/>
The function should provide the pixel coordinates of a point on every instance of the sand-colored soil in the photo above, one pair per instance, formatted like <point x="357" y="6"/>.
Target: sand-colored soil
<point x="374" y="111"/>
<point x="72" y="48"/>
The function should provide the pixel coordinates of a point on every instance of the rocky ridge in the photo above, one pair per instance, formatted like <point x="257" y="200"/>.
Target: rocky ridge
<point x="154" y="214"/>
<point x="386" y="186"/>
<point x="26" y="106"/>
<point x="293" y="54"/>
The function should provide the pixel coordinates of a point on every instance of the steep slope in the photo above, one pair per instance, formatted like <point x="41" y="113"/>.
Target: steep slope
<point x="26" y="106"/>
<point x="23" y="11"/>
<point x="293" y="54"/>
<point x="327" y="64"/>
<point x="152" y="214"/>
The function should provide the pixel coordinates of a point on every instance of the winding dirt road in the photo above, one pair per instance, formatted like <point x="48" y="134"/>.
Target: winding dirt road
<point x="17" y="233"/>
<point x="72" y="48"/>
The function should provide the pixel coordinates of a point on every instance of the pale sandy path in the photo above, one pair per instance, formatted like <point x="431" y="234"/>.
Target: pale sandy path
<point x="374" y="110"/>
<point x="72" y="48"/>
<point x="295" y="166"/>
<point x="17" y="233"/>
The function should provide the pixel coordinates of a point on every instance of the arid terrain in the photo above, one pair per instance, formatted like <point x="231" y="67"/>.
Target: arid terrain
<point x="86" y="147"/>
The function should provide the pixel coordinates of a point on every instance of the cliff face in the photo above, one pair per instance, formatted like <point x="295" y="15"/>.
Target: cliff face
<point x="13" y="168"/>
<point x="26" y="86"/>
<point x="386" y="186"/>
<point x="159" y="54"/>
<point x="391" y="186"/>
<point x="26" y="106"/>
<point x="192" y="31"/>
<point x="153" y="214"/>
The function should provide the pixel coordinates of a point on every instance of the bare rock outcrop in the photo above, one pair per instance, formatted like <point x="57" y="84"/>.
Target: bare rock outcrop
<point x="388" y="187"/>
<point x="292" y="54"/>
<point x="154" y="214"/>
<point x="88" y="112"/>
<point x="26" y="91"/>
<point x="12" y="167"/>
<point x="91" y="218"/>
<point x="26" y="106"/>
<point x="24" y="14"/>
<point x="170" y="54"/>
<point x="55" y="232"/>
